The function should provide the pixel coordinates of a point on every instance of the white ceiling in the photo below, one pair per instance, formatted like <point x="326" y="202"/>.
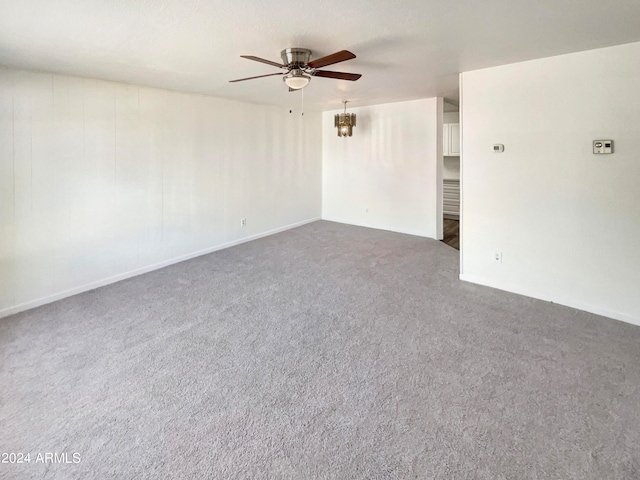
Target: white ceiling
<point x="405" y="49"/>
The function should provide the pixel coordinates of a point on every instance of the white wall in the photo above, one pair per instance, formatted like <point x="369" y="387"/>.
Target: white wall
<point x="100" y="180"/>
<point x="390" y="167"/>
<point x="451" y="117"/>
<point x="451" y="168"/>
<point x="566" y="221"/>
<point x="450" y="107"/>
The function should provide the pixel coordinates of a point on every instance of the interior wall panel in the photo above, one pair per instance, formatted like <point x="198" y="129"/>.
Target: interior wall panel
<point x="565" y="220"/>
<point x="386" y="175"/>
<point x="7" y="195"/>
<point x="100" y="180"/>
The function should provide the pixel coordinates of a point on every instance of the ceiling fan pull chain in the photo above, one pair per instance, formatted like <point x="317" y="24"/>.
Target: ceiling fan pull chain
<point x="302" y="90"/>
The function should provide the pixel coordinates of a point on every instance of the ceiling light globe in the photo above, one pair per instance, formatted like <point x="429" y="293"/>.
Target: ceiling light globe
<point x="297" y="82"/>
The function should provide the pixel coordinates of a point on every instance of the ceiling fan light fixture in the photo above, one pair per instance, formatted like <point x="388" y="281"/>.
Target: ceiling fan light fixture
<point x="296" y="79"/>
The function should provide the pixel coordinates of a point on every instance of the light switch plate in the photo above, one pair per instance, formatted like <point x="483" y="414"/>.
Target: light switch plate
<point x="603" y="146"/>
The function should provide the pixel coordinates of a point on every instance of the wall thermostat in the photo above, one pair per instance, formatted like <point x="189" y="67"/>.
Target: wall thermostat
<point x="497" y="148"/>
<point x="603" y="146"/>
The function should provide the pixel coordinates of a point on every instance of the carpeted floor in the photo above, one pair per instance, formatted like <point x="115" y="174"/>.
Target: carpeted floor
<point x="324" y="352"/>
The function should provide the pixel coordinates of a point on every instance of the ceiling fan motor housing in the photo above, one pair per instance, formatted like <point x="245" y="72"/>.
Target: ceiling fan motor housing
<point x="295" y="57"/>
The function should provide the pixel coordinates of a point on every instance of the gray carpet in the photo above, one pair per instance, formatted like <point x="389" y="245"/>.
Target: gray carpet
<point x="328" y="351"/>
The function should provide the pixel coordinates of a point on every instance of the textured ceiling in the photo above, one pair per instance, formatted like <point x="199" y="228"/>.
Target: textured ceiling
<point x="406" y="49"/>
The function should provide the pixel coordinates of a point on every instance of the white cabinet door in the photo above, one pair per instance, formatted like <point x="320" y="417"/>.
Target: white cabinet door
<point x="451" y="139"/>
<point x="454" y="139"/>
<point x="445" y="139"/>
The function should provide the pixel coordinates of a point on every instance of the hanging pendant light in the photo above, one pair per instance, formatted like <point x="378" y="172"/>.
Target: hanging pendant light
<point x="345" y="122"/>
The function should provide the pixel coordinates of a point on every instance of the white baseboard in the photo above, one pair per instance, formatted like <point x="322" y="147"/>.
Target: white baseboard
<point x="406" y="232"/>
<point x="567" y="302"/>
<point x="116" y="278"/>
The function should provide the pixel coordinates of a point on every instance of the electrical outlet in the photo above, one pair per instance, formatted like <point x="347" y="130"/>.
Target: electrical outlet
<point x="243" y="222"/>
<point x="366" y="210"/>
<point x="497" y="257"/>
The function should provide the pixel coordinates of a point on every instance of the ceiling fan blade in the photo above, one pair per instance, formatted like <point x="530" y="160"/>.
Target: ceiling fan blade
<point x="262" y="60"/>
<point x="251" y="78"/>
<point x="339" y="75"/>
<point x="337" y="57"/>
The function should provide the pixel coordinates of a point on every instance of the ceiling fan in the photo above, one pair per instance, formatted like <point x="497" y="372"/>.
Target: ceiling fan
<point x="299" y="69"/>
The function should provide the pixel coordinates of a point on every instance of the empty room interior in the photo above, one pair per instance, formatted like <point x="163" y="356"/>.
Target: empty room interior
<point x="320" y="240"/>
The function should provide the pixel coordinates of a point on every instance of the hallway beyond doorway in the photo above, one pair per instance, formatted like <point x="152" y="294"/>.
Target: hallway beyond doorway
<point x="451" y="230"/>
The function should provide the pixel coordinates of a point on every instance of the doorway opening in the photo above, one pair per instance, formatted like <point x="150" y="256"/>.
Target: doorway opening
<point x="451" y="174"/>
